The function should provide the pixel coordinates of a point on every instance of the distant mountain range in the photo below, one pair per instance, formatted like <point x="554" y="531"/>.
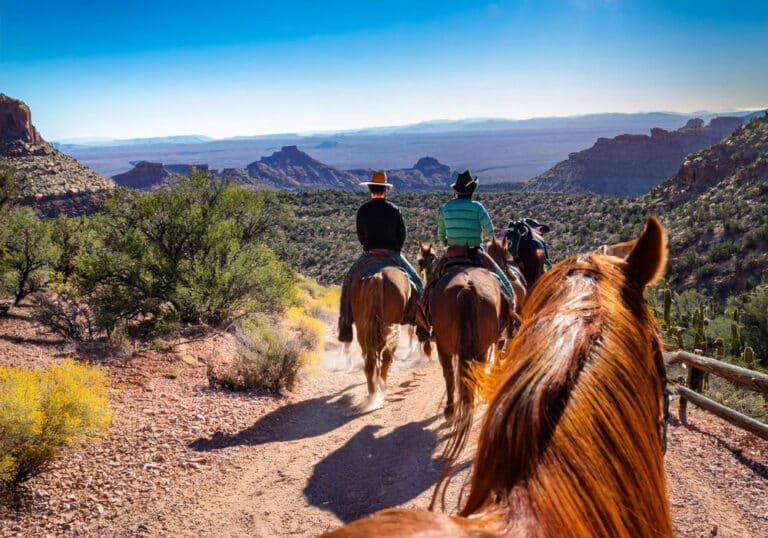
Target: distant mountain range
<point x="291" y="168"/>
<point x="627" y="121"/>
<point x="497" y="150"/>
<point x="630" y="164"/>
<point x="65" y="145"/>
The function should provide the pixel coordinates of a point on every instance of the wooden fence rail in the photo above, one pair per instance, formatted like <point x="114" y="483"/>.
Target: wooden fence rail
<point x="697" y="366"/>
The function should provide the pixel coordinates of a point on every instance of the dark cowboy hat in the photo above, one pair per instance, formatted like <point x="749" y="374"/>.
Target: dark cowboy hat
<point x="379" y="177"/>
<point x="465" y="183"/>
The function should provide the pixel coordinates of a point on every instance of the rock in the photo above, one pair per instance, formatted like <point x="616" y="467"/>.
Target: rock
<point x="144" y="175"/>
<point x="427" y="174"/>
<point x="16" y="122"/>
<point x="291" y="168"/>
<point x="630" y="164"/>
<point x="51" y="182"/>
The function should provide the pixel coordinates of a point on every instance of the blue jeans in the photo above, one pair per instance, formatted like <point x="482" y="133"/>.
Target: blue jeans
<point x="413" y="275"/>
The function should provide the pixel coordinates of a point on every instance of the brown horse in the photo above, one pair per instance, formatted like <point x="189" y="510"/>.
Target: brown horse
<point x="426" y="260"/>
<point x="379" y="298"/>
<point x="571" y="444"/>
<point x="498" y="250"/>
<point x="529" y="248"/>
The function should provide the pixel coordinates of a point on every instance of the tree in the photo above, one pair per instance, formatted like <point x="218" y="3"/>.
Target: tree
<point x="26" y="252"/>
<point x="8" y="188"/>
<point x="202" y="246"/>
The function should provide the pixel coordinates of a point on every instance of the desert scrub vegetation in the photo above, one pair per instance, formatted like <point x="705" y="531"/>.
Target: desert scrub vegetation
<point x="270" y="352"/>
<point x="694" y="322"/>
<point x="44" y="413"/>
<point x="26" y="252"/>
<point x="265" y="359"/>
<point x="199" y="250"/>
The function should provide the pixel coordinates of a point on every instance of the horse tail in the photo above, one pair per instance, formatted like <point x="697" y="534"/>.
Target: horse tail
<point x="468" y="353"/>
<point x="469" y="344"/>
<point x="371" y="327"/>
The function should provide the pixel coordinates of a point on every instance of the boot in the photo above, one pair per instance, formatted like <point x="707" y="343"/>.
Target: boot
<point x="345" y="334"/>
<point x="423" y="329"/>
<point x="409" y="316"/>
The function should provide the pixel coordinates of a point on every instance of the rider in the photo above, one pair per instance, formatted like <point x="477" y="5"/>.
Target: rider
<point x="380" y="229"/>
<point x="460" y="226"/>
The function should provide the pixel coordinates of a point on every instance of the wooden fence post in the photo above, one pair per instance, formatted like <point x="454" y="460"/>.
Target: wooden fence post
<point x="694" y="382"/>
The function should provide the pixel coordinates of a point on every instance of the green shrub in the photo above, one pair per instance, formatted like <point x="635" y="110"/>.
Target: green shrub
<point x="8" y="184"/>
<point x="43" y="413"/>
<point x="754" y="318"/>
<point x="203" y="245"/>
<point x="265" y="359"/>
<point x="65" y="313"/>
<point x="26" y="252"/>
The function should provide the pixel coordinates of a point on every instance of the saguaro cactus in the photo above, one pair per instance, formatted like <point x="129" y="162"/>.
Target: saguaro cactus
<point x="699" y="339"/>
<point x="736" y="334"/>
<point x="749" y="358"/>
<point x="719" y="349"/>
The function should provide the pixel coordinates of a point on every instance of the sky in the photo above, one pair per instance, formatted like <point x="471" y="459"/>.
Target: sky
<point x="128" y="69"/>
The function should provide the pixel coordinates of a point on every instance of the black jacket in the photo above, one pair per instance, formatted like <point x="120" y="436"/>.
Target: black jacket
<point x="380" y="225"/>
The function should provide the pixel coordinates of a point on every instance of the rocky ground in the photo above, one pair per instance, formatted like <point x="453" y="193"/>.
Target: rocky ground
<point x="182" y="459"/>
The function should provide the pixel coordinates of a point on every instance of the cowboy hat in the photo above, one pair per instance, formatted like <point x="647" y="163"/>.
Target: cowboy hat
<point x="379" y="177"/>
<point x="465" y="183"/>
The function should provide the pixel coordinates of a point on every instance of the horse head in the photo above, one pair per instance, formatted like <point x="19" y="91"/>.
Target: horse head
<point x="570" y="443"/>
<point x="498" y="249"/>
<point x="526" y="244"/>
<point x="590" y="406"/>
<point x="426" y="259"/>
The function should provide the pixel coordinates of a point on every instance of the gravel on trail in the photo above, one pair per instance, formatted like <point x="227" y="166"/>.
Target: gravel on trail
<point x="182" y="459"/>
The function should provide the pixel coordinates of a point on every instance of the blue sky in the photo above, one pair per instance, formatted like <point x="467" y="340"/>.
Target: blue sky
<point x="119" y="69"/>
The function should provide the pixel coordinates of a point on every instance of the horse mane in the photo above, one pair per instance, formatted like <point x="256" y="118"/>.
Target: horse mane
<point x="562" y="444"/>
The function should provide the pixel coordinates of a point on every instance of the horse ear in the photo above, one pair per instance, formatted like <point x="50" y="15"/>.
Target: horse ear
<point x="504" y="242"/>
<point x="646" y="262"/>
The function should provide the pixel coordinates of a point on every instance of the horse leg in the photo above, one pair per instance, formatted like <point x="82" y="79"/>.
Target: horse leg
<point x="446" y="361"/>
<point x="376" y="385"/>
<point x="370" y="370"/>
<point x="386" y="361"/>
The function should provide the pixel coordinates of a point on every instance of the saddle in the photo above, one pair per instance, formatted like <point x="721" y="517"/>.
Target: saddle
<point x="371" y="262"/>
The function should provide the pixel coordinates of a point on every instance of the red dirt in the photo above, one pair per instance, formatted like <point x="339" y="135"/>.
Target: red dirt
<point x="184" y="460"/>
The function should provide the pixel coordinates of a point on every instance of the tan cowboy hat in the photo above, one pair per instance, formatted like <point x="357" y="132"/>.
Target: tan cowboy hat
<point x="465" y="183"/>
<point x="379" y="177"/>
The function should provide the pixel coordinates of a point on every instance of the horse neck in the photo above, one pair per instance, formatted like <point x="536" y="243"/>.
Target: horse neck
<point x="571" y="437"/>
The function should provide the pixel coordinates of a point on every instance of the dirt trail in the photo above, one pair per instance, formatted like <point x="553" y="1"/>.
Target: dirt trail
<point x="314" y="464"/>
<point x="182" y="459"/>
<point x="317" y="463"/>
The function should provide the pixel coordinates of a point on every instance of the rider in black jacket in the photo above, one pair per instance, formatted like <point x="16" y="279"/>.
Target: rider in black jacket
<point x="380" y="227"/>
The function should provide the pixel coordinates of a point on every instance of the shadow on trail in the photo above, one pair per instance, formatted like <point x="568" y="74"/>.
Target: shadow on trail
<point x="738" y="453"/>
<point x="368" y="473"/>
<point x="291" y="422"/>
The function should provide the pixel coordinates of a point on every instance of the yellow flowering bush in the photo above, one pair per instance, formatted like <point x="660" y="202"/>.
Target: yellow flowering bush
<point x="44" y="412"/>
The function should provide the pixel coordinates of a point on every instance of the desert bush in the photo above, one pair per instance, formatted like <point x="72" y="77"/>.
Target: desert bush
<point x="44" y="413"/>
<point x="754" y="318"/>
<point x="71" y="236"/>
<point x="65" y="313"/>
<point x="8" y="185"/>
<point x="200" y="245"/>
<point x="265" y="359"/>
<point x="26" y="252"/>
